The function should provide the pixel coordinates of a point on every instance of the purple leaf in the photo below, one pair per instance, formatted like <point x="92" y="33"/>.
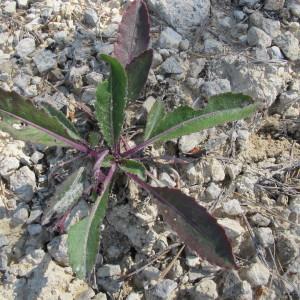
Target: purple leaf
<point x="137" y="73"/>
<point x="193" y="224"/>
<point x="134" y="33"/>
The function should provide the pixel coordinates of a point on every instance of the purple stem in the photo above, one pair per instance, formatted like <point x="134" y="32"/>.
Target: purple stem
<point x="97" y="167"/>
<point x="147" y="187"/>
<point x="78" y="146"/>
<point x="138" y="147"/>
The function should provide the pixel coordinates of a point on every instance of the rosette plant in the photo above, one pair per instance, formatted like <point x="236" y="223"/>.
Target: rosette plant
<point x="129" y="68"/>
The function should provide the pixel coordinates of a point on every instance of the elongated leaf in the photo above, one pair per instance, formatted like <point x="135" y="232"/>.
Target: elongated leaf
<point x="84" y="237"/>
<point x="221" y="109"/>
<point x="193" y="224"/>
<point x="156" y="114"/>
<point x="111" y="101"/>
<point x="133" y="37"/>
<point x="65" y="197"/>
<point x="26" y="133"/>
<point x="103" y="108"/>
<point x="137" y="72"/>
<point x="44" y="118"/>
<point x="94" y="138"/>
<point x="133" y="167"/>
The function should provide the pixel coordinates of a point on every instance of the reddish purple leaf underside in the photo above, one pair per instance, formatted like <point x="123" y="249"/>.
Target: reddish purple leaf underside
<point x="193" y="224"/>
<point x="196" y="227"/>
<point x="133" y="37"/>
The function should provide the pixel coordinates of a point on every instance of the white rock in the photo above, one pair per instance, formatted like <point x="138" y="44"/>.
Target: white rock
<point x="212" y="192"/>
<point x="59" y="281"/>
<point x="58" y="250"/>
<point x="257" y="274"/>
<point x="216" y="170"/>
<point x="274" y="4"/>
<point x="184" y="45"/>
<point x="265" y="236"/>
<point x="169" y="39"/>
<point x="196" y="67"/>
<point x="157" y="59"/>
<point x="233" y="170"/>
<point x="80" y="211"/>
<point x="260" y="220"/>
<point x="183" y="16"/>
<point x="164" y="290"/>
<point x="22" y="182"/>
<point x="94" y="78"/>
<point x="166" y="180"/>
<point x="44" y="60"/>
<point x="235" y="288"/>
<point x="134" y="296"/>
<point x="91" y="17"/>
<point x="109" y="270"/>
<point x="215" y="87"/>
<point x="10" y="7"/>
<point x="194" y="174"/>
<point x="269" y="26"/>
<point x="192" y="261"/>
<point x="289" y="45"/>
<point x="22" y="3"/>
<point x="232" y="207"/>
<point x="275" y="53"/>
<point x="295" y="10"/>
<point x="233" y="229"/>
<point x="205" y="289"/>
<point x="8" y="165"/>
<point x="189" y="142"/>
<point x="212" y="46"/>
<point x="34" y="229"/>
<point x="260" y="81"/>
<point x="100" y="296"/>
<point x="20" y="216"/>
<point x="257" y="37"/>
<point x="172" y="65"/>
<point x="25" y="47"/>
<point x="148" y="103"/>
<point x="36" y="157"/>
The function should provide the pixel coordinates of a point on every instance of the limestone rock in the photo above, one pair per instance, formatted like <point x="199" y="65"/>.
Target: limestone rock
<point x="184" y="16"/>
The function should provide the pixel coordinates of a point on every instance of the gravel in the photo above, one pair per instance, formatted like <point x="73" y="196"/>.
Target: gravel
<point x="257" y="274"/>
<point x="23" y="183"/>
<point x="25" y="47"/>
<point x="52" y="55"/>
<point x="169" y="39"/>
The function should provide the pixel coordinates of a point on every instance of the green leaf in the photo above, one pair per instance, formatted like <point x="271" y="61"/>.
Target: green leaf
<point x="103" y="108"/>
<point x="221" y="109"/>
<point x="156" y="114"/>
<point x="133" y="167"/>
<point x="111" y="101"/>
<point x="26" y="133"/>
<point x="107" y="161"/>
<point x="84" y="238"/>
<point x="94" y="138"/>
<point x="137" y="72"/>
<point x="66" y="196"/>
<point x="44" y="118"/>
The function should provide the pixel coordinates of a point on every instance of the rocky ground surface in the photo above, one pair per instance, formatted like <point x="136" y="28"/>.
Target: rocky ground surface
<point x="246" y="173"/>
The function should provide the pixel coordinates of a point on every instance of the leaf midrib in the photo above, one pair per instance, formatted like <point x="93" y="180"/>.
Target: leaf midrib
<point x="204" y="116"/>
